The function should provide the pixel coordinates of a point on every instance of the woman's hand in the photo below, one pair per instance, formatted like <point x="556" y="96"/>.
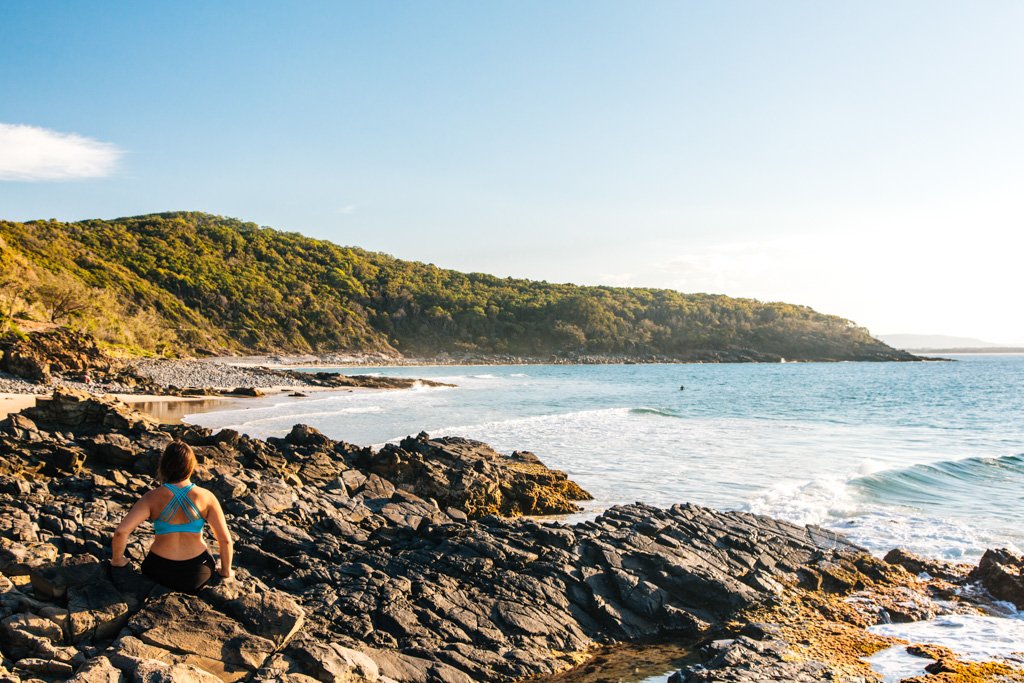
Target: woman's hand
<point x="119" y="562"/>
<point x="228" y="574"/>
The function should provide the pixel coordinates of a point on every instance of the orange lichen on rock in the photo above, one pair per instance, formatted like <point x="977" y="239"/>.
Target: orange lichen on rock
<point x="825" y="618"/>
<point x="947" y="668"/>
<point x="823" y="628"/>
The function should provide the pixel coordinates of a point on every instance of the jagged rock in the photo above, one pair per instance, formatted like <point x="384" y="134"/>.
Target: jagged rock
<point x="387" y="566"/>
<point x="114" y="449"/>
<point x="1002" y="574"/>
<point x="19" y="559"/>
<point x="142" y="661"/>
<point x="96" y="611"/>
<point x="51" y="581"/>
<point x="265" y="612"/>
<point x="252" y="392"/>
<point x="64" y="460"/>
<point x="915" y="564"/>
<point x="354" y="480"/>
<point x="334" y="379"/>
<point x="34" y="666"/>
<point x="29" y="635"/>
<point x="155" y="671"/>
<point x="404" y="668"/>
<point x="377" y="487"/>
<point x="62" y="351"/>
<point x="20" y="427"/>
<point x="334" y="663"/>
<point x="81" y="410"/>
<point x="473" y="477"/>
<point x="304" y="435"/>
<point x="272" y="497"/>
<point x="187" y="625"/>
<point x="98" y="670"/>
<point x="744" y="659"/>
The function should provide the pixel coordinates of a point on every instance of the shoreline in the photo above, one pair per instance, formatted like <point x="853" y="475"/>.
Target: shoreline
<point x="803" y="596"/>
<point x="170" y="408"/>
<point x="157" y="406"/>
<point x="169" y="389"/>
<point x="274" y="362"/>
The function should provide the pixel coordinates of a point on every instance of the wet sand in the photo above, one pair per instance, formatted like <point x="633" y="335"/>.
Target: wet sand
<point x="170" y="409"/>
<point x="166" y="409"/>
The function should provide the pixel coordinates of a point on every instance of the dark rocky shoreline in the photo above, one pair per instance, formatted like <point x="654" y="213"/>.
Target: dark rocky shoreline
<point x="412" y="564"/>
<point x="472" y="359"/>
<point x="64" y="358"/>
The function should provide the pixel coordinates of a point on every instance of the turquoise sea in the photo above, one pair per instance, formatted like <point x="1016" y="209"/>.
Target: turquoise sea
<point x="927" y="456"/>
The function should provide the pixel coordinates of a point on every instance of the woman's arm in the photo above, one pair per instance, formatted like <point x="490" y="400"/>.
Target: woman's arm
<point x="225" y="549"/>
<point x="136" y="516"/>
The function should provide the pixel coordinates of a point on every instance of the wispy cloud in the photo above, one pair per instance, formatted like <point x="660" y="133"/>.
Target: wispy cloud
<point x="615" y="279"/>
<point x="729" y="268"/>
<point x="347" y="209"/>
<point x="30" y="153"/>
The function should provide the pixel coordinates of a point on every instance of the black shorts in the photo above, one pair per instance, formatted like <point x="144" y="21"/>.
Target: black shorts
<point x="186" y="576"/>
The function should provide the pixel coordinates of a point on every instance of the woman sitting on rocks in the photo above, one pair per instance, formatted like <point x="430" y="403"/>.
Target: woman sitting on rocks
<point x="178" y="558"/>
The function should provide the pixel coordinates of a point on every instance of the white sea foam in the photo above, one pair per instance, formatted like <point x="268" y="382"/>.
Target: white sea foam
<point x="497" y="432"/>
<point x="811" y="502"/>
<point x="972" y="637"/>
<point x="894" y="664"/>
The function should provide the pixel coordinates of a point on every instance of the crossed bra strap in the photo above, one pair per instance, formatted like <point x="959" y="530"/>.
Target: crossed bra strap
<point x="179" y="501"/>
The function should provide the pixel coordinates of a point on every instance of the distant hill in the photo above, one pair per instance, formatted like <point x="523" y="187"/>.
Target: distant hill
<point x="193" y="282"/>
<point x="922" y="342"/>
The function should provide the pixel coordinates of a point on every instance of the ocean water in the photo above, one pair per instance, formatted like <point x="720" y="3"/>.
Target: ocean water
<point x="925" y="456"/>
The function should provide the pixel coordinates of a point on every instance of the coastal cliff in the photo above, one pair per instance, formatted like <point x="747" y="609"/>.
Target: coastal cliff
<point x="414" y="564"/>
<point x="190" y="282"/>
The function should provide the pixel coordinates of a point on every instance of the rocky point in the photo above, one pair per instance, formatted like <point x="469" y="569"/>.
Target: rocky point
<point x="414" y="563"/>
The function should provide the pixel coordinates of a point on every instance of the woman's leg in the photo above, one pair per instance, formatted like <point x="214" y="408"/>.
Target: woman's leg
<point x="204" y="571"/>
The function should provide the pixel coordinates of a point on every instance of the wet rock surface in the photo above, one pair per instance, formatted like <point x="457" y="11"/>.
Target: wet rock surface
<point x="335" y="379"/>
<point x="1001" y="572"/>
<point x="394" y="565"/>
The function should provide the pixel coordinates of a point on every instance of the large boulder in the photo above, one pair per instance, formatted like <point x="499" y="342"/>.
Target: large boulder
<point x="96" y="612"/>
<point x="1001" y="572"/>
<point x="473" y="477"/>
<point x="189" y="627"/>
<point x="334" y="663"/>
<point x="81" y="411"/>
<point x="40" y="355"/>
<point x="272" y="614"/>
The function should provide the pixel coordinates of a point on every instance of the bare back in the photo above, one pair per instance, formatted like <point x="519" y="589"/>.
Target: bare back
<point x="181" y="545"/>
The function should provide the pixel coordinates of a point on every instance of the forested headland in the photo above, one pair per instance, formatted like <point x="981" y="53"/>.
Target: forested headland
<point x="194" y="283"/>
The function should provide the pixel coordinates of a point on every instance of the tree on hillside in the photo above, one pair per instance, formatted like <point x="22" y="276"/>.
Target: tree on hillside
<point x="64" y="297"/>
<point x="16" y="281"/>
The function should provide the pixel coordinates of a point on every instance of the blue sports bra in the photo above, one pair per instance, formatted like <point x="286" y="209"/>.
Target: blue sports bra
<point x="179" y="501"/>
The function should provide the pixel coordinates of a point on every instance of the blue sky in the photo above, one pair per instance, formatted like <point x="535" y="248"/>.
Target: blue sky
<point x="862" y="157"/>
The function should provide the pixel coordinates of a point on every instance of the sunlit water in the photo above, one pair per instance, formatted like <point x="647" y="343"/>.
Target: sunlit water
<point x="927" y="456"/>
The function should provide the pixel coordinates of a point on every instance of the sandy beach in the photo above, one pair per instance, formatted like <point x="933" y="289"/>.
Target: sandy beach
<point x="13" y="403"/>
